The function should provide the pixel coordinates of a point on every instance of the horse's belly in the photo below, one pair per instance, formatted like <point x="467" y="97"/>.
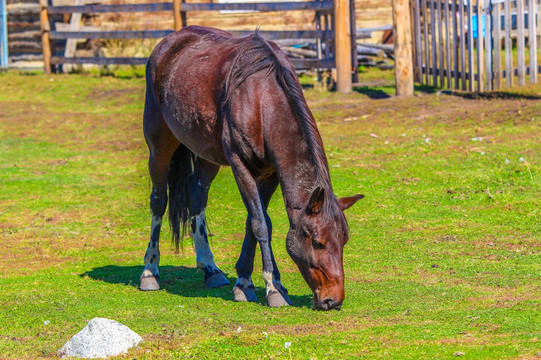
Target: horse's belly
<point x="199" y="134"/>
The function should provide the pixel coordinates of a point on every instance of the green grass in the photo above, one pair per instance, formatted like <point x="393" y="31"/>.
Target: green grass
<point x="444" y="255"/>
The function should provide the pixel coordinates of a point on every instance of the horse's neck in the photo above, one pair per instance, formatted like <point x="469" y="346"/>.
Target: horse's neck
<point x="298" y="174"/>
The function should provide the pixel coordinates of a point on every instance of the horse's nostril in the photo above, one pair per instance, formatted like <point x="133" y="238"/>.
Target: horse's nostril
<point x="329" y="304"/>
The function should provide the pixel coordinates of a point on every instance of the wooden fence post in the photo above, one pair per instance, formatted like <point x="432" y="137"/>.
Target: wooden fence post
<point x="403" y="47"/>
<point x="342" y="41"/>
<point x="45" y="41"/>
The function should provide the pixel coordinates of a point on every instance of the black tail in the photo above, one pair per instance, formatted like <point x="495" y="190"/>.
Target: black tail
<point x="180" y="169"/>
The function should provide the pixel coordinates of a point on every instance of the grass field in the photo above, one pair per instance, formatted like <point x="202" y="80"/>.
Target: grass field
<point x="444" y="258"/>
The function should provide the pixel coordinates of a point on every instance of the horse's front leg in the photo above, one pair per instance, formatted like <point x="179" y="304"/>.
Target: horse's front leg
<point x="260" y="226"/>
<point x="244" y="289"/>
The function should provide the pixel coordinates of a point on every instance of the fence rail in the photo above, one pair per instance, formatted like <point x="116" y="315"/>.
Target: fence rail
<point x="324" y="33"/>
<point x="468" y="45"/>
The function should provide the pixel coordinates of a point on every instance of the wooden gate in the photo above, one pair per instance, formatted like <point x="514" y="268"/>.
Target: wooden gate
<point x="476" y="45"/>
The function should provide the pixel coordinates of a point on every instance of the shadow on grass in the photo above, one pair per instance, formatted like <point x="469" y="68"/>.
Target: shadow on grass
<point x="496" y="95"/>
<point x="182" y="281"/>
<point x="388" y="91"/>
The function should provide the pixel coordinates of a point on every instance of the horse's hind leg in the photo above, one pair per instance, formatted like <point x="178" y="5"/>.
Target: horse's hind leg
<point x="162" y="145"/>
<point x="197" y="187"/>
<point x="244" y="289"/>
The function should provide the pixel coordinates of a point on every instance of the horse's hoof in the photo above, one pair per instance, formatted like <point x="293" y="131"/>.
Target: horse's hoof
<point x="242" y="294"/>
<point x="149" y="283"/>
<point x="275" y="299"/>
<point x="216" y="280"/>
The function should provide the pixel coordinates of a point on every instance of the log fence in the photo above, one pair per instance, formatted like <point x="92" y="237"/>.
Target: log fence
<point x="324" y="33"/>
<point x="469" y="44"/>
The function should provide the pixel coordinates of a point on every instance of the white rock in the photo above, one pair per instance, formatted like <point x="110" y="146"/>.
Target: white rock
<point x="101" y="338"/>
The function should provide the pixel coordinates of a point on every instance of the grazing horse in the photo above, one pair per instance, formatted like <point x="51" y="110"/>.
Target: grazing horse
<point x="214" y="100"/>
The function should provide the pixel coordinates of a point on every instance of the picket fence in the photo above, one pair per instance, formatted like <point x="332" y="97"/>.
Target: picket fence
<point x="452" y="48"/>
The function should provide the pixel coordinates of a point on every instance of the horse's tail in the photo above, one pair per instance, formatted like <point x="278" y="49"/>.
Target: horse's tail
<point x="180" y="169"/>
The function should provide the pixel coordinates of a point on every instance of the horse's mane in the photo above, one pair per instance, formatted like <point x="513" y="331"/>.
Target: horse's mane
<point x="254" y="55"/>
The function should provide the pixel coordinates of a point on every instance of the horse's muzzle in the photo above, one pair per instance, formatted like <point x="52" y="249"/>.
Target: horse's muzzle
<point x="328" y="304"/>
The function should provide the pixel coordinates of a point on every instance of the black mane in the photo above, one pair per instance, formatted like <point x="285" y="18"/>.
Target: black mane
<point x="255" y="54"/>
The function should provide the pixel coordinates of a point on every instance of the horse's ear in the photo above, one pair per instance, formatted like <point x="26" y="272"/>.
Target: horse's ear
<point x="347" y="202"/>
<point x="316" y="201"/>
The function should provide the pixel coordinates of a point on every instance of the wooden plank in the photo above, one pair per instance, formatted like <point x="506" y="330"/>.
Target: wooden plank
<point x="433" y="37"/>
<point x="45" y="36"/>
<point x="176" y="15"/>
<point x="353" y="44"/>
<point x="521" y="48"/>
<point x="488" y="45"/>
<point x="471" y="77"/>
<point x="116" y="34"/>
<point x="342" y="46"/>
<point x="417" y="37"/>
<point x="151" y="7"/>
<point x="298" y="63"/>
<point x="532" y="39"/>
<point x="497" y="54"/>
<point x="462" y="45"/>
<point x="455" y="44"/>
<point x="439" y="21"/>
<point x="508" y="45"/>
<point x="402" y="48"/>
<point x="447" y="44"/>
<point x="157" y="34"/>
<point x="480" y="52"/>
<point x="74" y="25"/>
<point x="426" y="42"/>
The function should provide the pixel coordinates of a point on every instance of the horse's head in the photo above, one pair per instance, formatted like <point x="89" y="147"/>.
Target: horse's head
<point x="316" y="243"/>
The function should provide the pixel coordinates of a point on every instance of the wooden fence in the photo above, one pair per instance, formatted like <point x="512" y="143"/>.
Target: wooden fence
<point x="469" y="45"/>
<point x="323" y="34"/>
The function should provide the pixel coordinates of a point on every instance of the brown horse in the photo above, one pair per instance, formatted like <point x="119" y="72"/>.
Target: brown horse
<point x="214" y="100"/>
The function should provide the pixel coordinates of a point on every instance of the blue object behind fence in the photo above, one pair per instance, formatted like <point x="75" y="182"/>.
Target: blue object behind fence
<point x="3" y="35"/>
<point x="474" y="25"/>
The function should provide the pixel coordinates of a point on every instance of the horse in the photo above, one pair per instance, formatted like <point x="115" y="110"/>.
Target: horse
<point x="212" y="100"/>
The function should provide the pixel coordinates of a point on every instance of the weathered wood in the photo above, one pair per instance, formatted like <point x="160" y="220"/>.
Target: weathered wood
<point x="342" y="38"/>
<point x="488" y="46"/>
<point x="298" y="63"/>
<point x="156" y="34"/>
<point x="365" y="50"/>
<point x="74" y="25"/>
<point x="521" y="58"/>
<point x="433" y="44"/>
<point x="402" y="48"/>
<point x="176" y="15"/>
<point x="448" y="44"/>
<point x="440" y="43"/>
<point x="497" y="54"/>
<point x="508" y="44"/>
<point x="302" y="52"/>
<point x="353" y="40"/>
<point x="455" y="45"/>
<point x="99" y="60"/>
<point x="116" y="34"/>
<point x="471" y="55"/>
<point x="417" y="36"/>
<point x="425" y="42"/>
<point x="388" y="48"/>
<point x="462" y="25"/>
<point x="45" y="37"/>
<point x="27" y="35"/>
<point x="480" y="52"/>
<point x="114" y="8"/>
<point x="532" y="39"/>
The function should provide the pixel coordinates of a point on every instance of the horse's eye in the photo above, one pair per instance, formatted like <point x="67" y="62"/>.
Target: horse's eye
<point x="317" y="245"/>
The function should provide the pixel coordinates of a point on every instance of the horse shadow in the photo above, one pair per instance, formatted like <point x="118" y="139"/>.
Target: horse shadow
<point x="180" y="280"/>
